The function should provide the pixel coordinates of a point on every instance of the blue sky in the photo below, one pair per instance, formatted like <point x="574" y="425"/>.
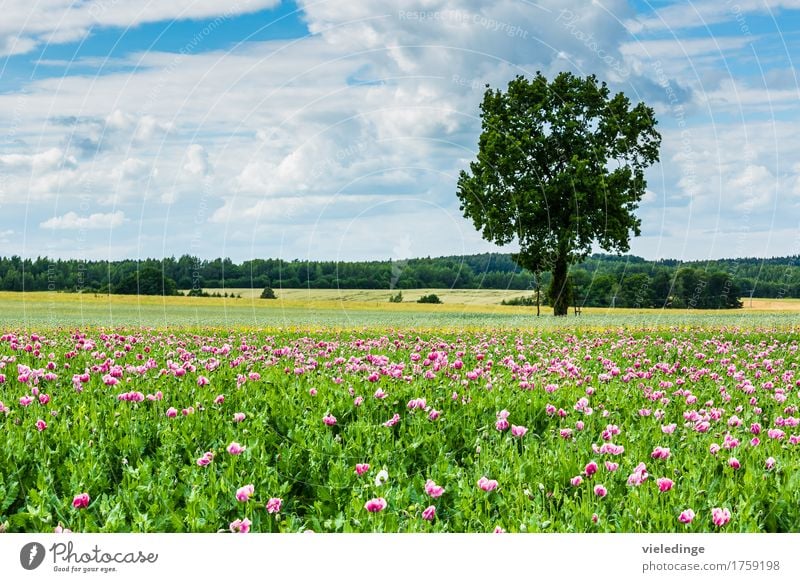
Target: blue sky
<point x="325" y="130"/>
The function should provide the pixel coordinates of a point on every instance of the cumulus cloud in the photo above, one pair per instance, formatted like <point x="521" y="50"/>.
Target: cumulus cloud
<point x="44" y="161"/>
<point x="378" y="109"/>
<point x="196" y="160"/>
<point x="96" y="221"/>
<point x="27" y="25"/>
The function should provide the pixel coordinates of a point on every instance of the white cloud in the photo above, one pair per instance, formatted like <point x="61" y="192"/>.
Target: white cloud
<point x="26" y="25"/>
<point x="378" y="108"/>
<point x="131" y="169"/>
<point x="702" y="13"/>
<point x="47" y="160"/>
<point x="683" y="48"/>
<point x="96" y="221"/>
<point x="196" y="160"/>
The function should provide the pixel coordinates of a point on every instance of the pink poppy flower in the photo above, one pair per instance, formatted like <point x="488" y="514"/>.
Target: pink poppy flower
<point x="41" y="425"/>
<point x="361" y="468"/>
<point x="235" y="448"/>
<point x="664" y="484"/>
<point x="518" y="431"/>
<point x="245" y="493"/>
<point x="429" y="513"/>
<point x="329" y="419"/>
<point x="600" y="491"/>
<point x="240" y="525"/>
<point x="686" y="516"/>
<point x="81" y="500"/>
<point x="205" y="459"/>
<point x="375" y="505"/>
<point x="487" y="484"/>
<point x="274" y="504"/>
<point x="720" y="516"/>
<point x="660" y="453"/>
<point x="433" y="489"/>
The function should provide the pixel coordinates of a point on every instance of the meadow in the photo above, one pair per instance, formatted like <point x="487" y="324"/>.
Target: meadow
<point x="333" y="308"/>
<point x="414" y="418"/>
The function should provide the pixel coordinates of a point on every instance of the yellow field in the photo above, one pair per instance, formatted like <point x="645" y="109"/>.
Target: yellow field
<point x="462" y="300"/>
<point x="356" y="309"/>
<point x="477" y="298"/>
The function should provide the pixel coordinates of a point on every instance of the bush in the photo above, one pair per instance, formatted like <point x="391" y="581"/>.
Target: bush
<point x="268" y="293"/>
<point x="429" y="299"/>
<point x="524" y="301"/>
<point x="396" y="298"/>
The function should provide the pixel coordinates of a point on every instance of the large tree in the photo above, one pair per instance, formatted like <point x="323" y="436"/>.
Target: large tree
<point x="560" y="166"/>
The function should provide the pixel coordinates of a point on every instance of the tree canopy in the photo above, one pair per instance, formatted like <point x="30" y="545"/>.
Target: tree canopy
<point x="560" y="166"/>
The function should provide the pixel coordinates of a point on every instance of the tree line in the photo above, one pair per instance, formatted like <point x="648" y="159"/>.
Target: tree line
<point x="600" y="280"/>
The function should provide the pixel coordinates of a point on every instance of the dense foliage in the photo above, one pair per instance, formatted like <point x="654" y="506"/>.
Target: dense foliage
<point x="146" y="431"/>
<point x="559" y="169"/>
<point x="600" y="281"/>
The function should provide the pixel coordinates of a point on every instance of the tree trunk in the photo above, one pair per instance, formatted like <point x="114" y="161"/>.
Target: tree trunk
<point x="559" y="288"/>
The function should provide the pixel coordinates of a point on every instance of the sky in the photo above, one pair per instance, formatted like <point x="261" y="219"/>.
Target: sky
<point x="330" y="130"/>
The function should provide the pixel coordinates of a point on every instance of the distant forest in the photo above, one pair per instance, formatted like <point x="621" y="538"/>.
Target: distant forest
<point x="602" y="280"/>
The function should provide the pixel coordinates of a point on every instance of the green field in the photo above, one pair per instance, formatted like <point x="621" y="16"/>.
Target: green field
<point x="327" y="308"/>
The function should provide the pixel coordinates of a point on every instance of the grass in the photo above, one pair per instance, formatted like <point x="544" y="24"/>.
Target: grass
<point x="356" y="309"/>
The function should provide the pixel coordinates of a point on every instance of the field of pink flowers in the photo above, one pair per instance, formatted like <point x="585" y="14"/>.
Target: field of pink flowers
<point x="685" y="430"/>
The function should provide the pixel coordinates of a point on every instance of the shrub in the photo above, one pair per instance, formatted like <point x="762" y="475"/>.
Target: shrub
<point x="429" y="299"/>
<point x="396" y="298"/>
<point x="525" y="301"/>
<point x="268" y="293"/>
